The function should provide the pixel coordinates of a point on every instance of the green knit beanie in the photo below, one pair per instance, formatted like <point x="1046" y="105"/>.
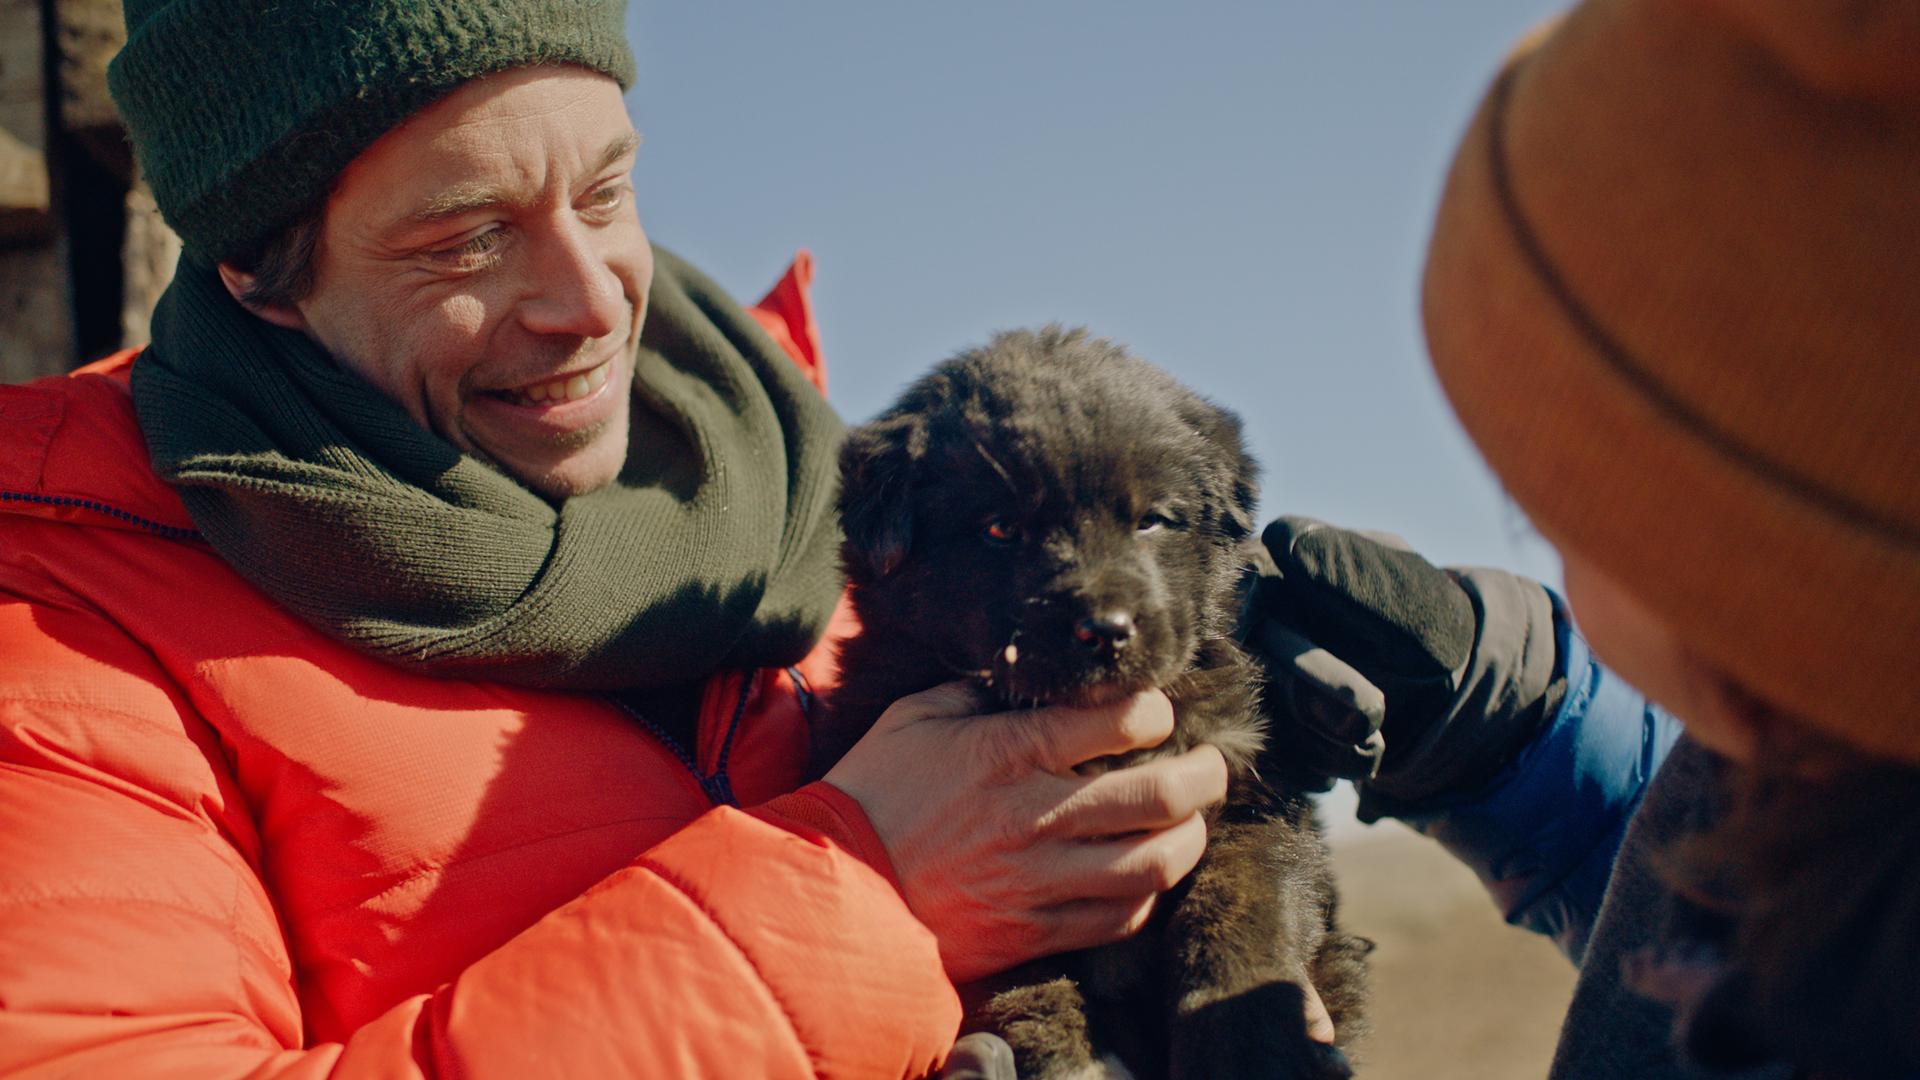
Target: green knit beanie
<point x="244" y="112"/>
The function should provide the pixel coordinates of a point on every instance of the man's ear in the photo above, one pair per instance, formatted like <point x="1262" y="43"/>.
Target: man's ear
<point x="239" y="284"/>
<point x="876" y="494"/>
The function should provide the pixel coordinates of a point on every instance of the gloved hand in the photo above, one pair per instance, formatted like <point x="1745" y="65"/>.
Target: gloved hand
<point x="980" y="1056"/>
<point x="1384" y="669"/>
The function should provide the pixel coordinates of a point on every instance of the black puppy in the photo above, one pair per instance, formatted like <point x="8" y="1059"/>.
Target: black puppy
<point x="1064" y="523"/>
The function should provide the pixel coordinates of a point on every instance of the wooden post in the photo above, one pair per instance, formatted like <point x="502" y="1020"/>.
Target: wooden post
<point x="34" y="334"/>
<point x="83" y="253"/>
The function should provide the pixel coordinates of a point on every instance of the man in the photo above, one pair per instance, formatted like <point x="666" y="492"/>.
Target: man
<point x="1671" y="292"/>
<point x="392" y="646"/>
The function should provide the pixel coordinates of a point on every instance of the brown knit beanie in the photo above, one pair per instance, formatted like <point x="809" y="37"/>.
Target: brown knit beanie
<point x="243" y="113"/>
<point x="1674" y="295"/>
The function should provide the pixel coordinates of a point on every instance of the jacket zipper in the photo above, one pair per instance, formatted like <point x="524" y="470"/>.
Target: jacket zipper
<point x="171" y="532"/>
<point x="717" y="786"/>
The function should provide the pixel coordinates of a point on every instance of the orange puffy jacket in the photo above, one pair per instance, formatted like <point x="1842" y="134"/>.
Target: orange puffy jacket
<point x="230" y="846"/>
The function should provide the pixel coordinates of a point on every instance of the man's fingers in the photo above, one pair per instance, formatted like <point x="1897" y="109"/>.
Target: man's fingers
<point x="1082" y="924"/>
<point x="1153" y="795"/>
<point x="1060" y="737"/>
<point x="1319" y="1021"/>
<point x="949" y="700"/>
<point x="1131" y="867"/>
<point x="1055" y="738"/>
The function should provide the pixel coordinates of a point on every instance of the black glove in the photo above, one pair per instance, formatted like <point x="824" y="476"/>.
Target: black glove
<point x="1384" y="669"/>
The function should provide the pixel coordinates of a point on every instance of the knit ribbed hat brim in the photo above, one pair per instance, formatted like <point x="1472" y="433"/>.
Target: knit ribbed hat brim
<point x="242" y="113"/>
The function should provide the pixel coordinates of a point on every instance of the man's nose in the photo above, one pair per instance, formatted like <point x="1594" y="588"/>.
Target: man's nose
<point x="573" y="289"/>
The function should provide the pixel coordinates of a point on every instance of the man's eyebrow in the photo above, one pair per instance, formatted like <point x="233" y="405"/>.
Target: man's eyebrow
<point x="466" y="198"/>
<point x="454" y="201"/>
<point x="617" y="149"/>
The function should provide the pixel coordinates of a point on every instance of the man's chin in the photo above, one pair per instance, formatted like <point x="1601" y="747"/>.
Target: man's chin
<point x="591" y="465"/>
<point x="572" y="478"/>
<point x="563" y="485"/>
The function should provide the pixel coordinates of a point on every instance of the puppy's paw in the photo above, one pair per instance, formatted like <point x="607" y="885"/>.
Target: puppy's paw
<point x="1046" y="1025"/>
<point x="1259" y="1033"/>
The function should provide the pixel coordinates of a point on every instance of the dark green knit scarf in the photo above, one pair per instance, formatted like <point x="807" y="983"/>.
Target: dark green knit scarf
<point x="716" y="547"/>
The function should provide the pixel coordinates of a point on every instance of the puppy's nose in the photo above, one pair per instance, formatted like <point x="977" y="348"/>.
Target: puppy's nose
<point x="1108" y="629"/>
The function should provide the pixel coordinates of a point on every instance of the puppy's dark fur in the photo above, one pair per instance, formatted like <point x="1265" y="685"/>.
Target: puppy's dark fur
<point x="1062" y="523"/>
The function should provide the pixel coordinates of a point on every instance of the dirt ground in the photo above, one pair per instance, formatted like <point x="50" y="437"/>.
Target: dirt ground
<point x="1458" y="994"/>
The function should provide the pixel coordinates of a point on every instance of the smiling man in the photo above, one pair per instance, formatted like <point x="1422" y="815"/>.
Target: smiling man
<point x="481" y="265"/>
<point x="408" y="655"/>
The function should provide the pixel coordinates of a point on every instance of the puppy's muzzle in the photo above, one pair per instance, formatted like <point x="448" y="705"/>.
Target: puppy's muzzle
<point x="1104" y="631"/>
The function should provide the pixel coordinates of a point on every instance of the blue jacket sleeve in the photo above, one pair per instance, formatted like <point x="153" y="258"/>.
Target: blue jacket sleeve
<point x="1543" y="833"/>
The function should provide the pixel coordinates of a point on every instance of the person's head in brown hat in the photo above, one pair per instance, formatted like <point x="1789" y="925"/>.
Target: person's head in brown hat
<point x="1673" y="293"/>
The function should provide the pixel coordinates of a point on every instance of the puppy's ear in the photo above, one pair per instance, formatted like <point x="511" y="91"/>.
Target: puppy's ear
<point x="1241" y="474"/>
<point x="876" y="494"/>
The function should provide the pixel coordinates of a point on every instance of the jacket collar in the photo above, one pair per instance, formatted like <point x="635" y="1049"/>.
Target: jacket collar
<point x="71" y="450"/>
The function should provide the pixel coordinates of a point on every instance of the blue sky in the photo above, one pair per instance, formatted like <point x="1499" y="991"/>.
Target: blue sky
<point x="1239" y="191"/>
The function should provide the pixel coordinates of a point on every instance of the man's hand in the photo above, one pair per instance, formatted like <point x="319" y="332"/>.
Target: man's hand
<point x="1005" y="852"/>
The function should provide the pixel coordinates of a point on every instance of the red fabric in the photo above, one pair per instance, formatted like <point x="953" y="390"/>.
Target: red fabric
<point x="786" y="312"/>
<point x="231" y="846"/>
<point x="824" y="810"/>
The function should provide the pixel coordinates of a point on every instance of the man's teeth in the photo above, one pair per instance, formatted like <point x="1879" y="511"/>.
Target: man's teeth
<point x="572" y="388"/>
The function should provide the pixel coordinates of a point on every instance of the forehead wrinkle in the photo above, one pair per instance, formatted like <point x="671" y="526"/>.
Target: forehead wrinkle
<point x="472" y="195"/>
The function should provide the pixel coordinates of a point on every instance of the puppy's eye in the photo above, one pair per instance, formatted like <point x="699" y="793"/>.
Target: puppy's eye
<point x="1154" y="522"/>
<point x="1000" y="531"/>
